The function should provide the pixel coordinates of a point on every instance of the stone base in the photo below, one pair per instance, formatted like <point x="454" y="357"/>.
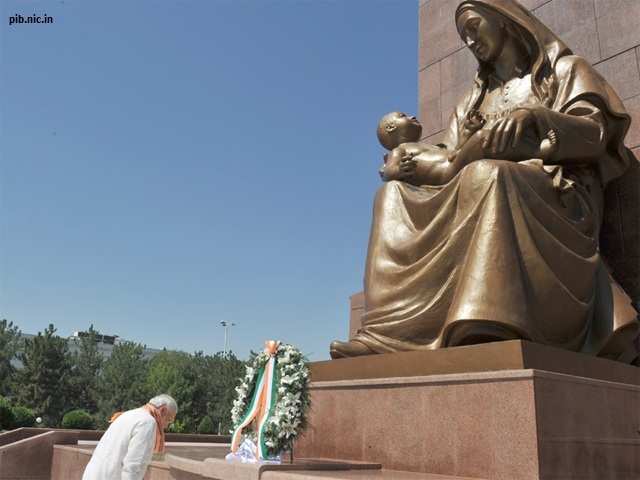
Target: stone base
<point x="486" y="357"/>
<point x="518" y="423"/>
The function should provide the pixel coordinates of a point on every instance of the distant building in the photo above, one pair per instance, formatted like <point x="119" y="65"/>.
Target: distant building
<point x="105" y="345"/>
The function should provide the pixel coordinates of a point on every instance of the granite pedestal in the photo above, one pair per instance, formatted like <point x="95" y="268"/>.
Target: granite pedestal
<point x="507" y="410"/>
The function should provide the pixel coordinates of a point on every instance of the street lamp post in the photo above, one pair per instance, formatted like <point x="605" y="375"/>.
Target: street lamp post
<point x="227" y="326"/>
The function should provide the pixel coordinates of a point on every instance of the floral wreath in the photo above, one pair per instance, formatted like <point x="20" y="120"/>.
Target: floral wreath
<point x="274" y="397"/>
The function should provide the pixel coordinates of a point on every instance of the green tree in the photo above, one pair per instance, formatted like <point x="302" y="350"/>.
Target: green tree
<point x="174" y="373"/>
<point x="206" y="394"/>
<point x="87" y="364"/>
<point x="226" y="372"/>
<point x="43" y="381"/>
<point x="206" y="425"/>
<point x="9" y="342"/>
<point x="203" y="386"/>
<point x="122" y="385"/>
<point x="206" y="385"/>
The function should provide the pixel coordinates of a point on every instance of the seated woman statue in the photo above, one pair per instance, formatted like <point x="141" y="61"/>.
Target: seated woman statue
<point x="508" y="248"/>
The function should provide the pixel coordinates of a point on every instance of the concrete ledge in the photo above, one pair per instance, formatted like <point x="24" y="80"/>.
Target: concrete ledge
<point x="70" y="461"/>
<point x="220" y="469"/>
<point x="28" y="453"/>
<point x="30" y="457"/>
<point x="26" y="432"/>
<point x="359" y="475"/>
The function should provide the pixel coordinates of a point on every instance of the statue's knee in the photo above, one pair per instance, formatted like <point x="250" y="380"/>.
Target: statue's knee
<point x="387" y="188"/>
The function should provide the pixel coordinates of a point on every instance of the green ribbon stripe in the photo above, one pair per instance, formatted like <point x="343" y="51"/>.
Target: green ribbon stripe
<point x="274" y="400"/>
<point x="256" y="392"/>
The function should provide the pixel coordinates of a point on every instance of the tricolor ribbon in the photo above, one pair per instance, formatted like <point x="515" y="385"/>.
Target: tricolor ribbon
<point x="265" y="397"/>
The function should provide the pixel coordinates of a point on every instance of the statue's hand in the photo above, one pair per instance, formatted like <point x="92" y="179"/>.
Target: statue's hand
<point x="399" y="165"/>
<point x="408" y="167"/>
<point x="509" y="131"/>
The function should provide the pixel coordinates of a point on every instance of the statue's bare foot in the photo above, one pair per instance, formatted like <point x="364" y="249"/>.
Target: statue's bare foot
<point x="351" y="348"/>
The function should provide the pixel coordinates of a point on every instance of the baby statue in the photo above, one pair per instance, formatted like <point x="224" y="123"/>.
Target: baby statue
<point x="424" y="164"/>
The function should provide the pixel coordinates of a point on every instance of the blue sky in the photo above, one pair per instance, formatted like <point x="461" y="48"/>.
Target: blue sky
<point x="167" y="165"/>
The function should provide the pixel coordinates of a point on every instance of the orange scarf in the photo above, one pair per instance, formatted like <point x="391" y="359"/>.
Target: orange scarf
<point x="155" y="413"/>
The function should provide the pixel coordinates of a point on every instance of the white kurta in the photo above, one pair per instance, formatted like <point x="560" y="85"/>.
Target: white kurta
<point x="126" y="448"/>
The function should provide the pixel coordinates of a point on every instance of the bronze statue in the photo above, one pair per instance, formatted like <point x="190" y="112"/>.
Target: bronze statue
<point x="498" y="239"/>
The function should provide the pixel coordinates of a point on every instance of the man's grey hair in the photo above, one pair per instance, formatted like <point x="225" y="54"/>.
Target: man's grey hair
<point x="164" y="400"/>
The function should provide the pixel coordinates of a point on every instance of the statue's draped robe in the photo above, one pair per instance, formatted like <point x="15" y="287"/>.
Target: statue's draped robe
<point x="505" y="245"/>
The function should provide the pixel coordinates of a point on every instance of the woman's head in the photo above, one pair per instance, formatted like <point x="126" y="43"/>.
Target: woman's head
<point x="484" y="32"/>
<point x="489" y="27"/>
